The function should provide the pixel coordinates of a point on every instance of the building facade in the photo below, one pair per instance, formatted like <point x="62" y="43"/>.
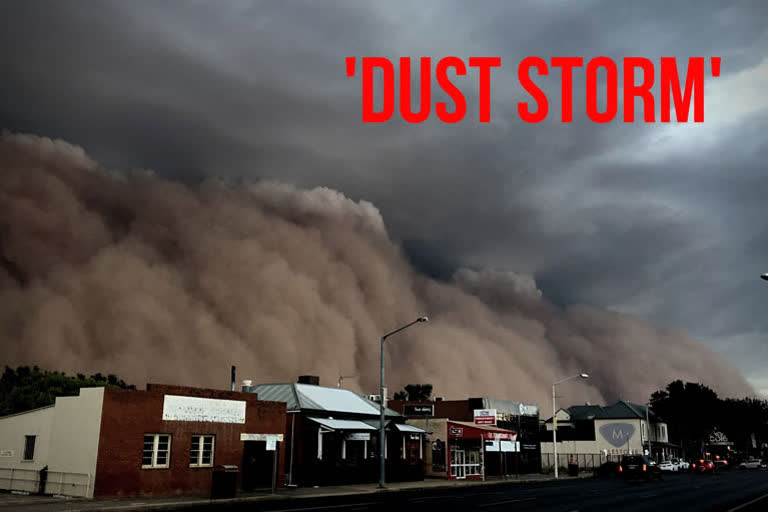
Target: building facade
<point x="589" y="435"/>
<point x="167" y="440"/>
<point x="332" y="436"/>
<point x="515" y="419"/>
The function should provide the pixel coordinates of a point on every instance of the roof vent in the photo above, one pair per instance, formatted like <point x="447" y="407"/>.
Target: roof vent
<point x="248" y="383"/>
<point x="309" y="379"/>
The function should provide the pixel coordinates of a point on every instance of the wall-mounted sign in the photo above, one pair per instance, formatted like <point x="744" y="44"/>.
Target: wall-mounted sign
<point x="528" y="410"/>
<point x="6" y="453"/>
<point x="456" y="431"/>
<point x="414" y="437"/>
<point x="718" y="438"/>
<point x="618" y="434"/>
<point x="271" y="442"/>
<point x="260" y="437"/>
<point x="359" y="436"/>
<point x="506" y="436"/>
<point x="208" y="410"/>
<point x="418" y="410"/>
<point x="485" y="416"/>
<point x="530" y="447"/>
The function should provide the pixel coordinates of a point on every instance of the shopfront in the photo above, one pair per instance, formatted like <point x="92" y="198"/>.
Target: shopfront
<point x="473" y="449"/>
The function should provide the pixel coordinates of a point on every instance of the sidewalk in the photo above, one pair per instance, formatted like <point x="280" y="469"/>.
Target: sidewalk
<point x="9" y="502"/>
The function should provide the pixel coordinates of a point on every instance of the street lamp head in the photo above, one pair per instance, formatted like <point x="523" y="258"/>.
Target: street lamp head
<point x="423" y="319"/>
<point x="765" y="276"/>
<point x="584" y="376"/>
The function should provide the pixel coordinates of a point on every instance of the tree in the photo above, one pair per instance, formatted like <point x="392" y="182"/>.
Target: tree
<point x="692" y="411"/>
<point x="415" y="393"/>
<point x="28" y="388"/>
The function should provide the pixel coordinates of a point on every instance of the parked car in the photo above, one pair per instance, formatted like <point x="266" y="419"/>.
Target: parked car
<point x="703" y="466"/>
<point x="669" y="465"/>
<point x="682" y="465"/>
<point x="721" y="465"/>
<point x="751" y="464"/>
<point x="639" y="466"/>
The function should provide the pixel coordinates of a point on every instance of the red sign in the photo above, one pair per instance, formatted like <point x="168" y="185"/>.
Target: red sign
<point x="485" y="416"/>
<point x="456" y="431"/>
<point x="499" y="436"/>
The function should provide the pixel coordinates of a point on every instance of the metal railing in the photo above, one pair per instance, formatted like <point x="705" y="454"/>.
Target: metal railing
<point x="64" y="483"/>
<point x="585" y="461"/>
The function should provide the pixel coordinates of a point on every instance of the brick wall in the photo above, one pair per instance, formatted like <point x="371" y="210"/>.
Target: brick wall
<point x="129" y="414"/>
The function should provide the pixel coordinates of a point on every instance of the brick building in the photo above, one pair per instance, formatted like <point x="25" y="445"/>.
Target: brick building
<point x="166" y="440"/>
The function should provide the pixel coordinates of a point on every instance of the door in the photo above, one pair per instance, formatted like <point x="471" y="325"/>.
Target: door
<point x="461" y="468"/>
<point x="257" y="466"/>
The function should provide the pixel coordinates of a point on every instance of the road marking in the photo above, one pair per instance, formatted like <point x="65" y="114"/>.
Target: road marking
<point x="748" y="503"/>
<point x="327" y="506"/>
<point x="503" y="502"/>
<point x="648" y="495"/>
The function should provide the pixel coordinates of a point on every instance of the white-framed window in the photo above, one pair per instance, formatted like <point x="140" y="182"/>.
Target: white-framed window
<point x="157" y="451"/>
<point x="201" y="451"/>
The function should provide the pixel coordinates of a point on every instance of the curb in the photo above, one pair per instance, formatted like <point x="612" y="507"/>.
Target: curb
<point x="151" y="507"/>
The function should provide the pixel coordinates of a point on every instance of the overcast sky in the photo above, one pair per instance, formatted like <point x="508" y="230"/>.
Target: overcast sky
<point x="665" y="221"/>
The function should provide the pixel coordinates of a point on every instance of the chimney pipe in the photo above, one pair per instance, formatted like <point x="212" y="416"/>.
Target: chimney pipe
<point x="232" y="379"/>
<point x="247" y="385"/>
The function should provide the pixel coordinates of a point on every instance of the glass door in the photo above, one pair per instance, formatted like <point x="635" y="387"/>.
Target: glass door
<point x="461" y="468"/>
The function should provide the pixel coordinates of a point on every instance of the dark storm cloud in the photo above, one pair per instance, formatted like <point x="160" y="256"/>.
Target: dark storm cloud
<point x="617" y="216"/>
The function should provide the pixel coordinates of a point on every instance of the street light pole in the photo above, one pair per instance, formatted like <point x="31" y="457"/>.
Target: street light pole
<point x="648" y="428"/>
<point x="383" y="400"/>
<point x="554" y="417"/>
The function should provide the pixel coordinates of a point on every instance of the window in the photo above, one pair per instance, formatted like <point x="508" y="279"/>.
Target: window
<point x="29" y="447"/>
<point x="201" y="452"/>
<point x="157" y="450"/>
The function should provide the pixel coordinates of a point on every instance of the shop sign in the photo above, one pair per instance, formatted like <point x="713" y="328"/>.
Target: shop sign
<point x="359" y="436"/>
<point x="456" y="431"/>
<point x="718" y="438"/>
<point x="414" y="437"/>
<point x="207" y="410"/>
<point x="418" y="410"/>
<point x="485" y="416"/>
<point x="6" y="453"/>
<point x="618" y="434"/>
<point x="498" y="436"/>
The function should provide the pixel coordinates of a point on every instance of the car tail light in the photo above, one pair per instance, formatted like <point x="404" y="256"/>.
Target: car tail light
<point x="725" y="463"/>
<point x="645" y="467"/>
<point x="693" y="465"/>
<point x="621" y="469"/>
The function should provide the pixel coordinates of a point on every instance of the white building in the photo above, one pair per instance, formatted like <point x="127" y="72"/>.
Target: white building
<point x="591" y="434"/>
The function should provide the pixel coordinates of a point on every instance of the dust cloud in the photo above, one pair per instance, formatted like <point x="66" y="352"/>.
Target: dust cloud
<point x="153" y="280"/>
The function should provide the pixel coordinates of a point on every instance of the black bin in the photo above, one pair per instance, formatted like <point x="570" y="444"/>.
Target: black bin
<point x="224" y="484"/>
<point x="573" y="470"/>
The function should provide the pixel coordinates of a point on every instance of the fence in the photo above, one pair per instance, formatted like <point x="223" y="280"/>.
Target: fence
<point x="585" y="461"/>
<point x="57" y="482"/>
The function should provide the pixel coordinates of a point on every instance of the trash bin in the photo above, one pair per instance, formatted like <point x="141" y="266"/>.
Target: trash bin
<point x="573" y="470"/>
<point x="224" y="484"/>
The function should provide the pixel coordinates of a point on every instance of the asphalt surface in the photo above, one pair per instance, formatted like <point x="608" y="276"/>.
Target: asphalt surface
<point x="734" y="491"/>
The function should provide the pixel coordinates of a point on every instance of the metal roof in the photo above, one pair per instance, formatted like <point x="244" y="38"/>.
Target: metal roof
<point x="402" y="427"/>
<point x="619" y="410"/>
<point x="317" y="398"/>
<point x="342" y="424"/>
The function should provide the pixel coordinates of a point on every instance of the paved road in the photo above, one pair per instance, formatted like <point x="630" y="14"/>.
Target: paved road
<point x="736" y="491"/>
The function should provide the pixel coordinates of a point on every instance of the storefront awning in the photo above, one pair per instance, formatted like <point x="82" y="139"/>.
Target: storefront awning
<point x="409" y="428"/>
<point x="461" y="429"/>
<point x="342" y="424"/>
